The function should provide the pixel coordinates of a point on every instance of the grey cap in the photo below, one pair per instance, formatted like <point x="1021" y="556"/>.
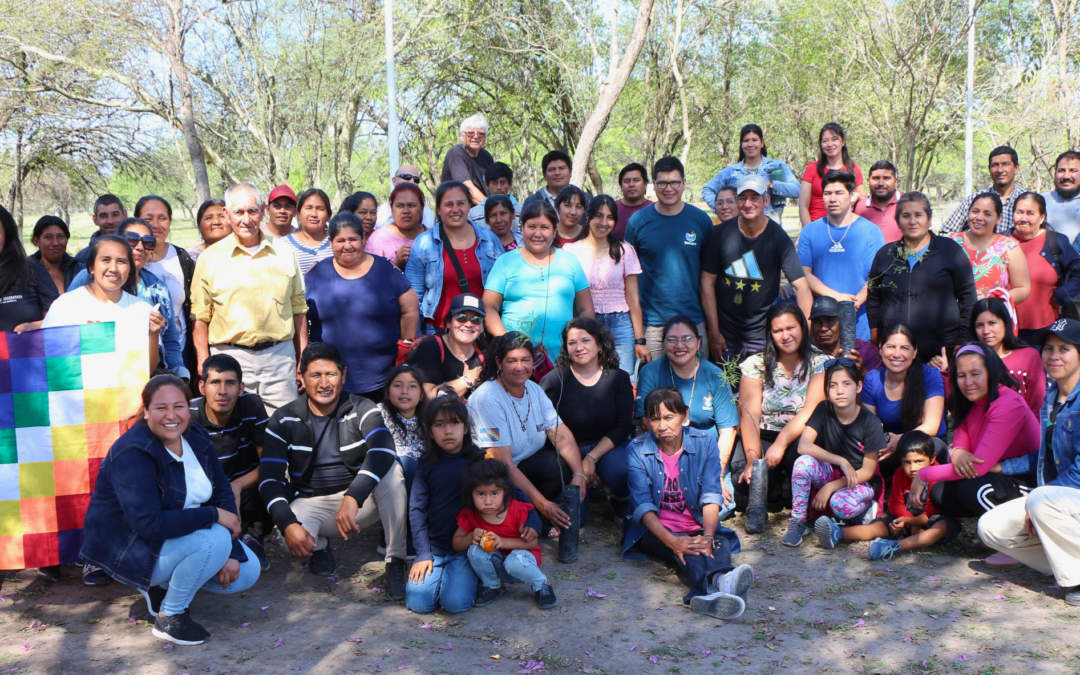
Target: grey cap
<point x="753" y="182"/>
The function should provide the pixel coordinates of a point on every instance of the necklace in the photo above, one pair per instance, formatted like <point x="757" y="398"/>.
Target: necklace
<point x="836" y="246"/>
<point x="513" y="404"/>
<point x="671" y="371"/>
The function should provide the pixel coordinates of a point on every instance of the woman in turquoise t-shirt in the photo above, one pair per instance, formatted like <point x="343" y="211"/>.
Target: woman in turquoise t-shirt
<point x="536" y="288"/>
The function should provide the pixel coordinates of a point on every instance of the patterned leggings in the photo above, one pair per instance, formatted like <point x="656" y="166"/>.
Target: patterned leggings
<point x="845" y="502"/>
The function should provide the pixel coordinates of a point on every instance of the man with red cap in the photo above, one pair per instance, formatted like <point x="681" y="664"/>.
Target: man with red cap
<point x="281" y="210"/>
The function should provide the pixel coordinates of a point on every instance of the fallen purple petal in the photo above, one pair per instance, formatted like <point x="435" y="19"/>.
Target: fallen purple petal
<point x="588" y="653"/>
<point x="168" y="646"/>
<point x="926" y="662"/>
<point x="263" y="609"/>
<point x="355" y="640"/>
<point x="245" y="624"/>
<point x="654" y="658"/>
<point x="633" y="647"/>
<point x="278" y="643"/>
<point x="907" y="639"/>
<point x="999" y="597"/>
<point x="593" y="594"/>
<point x="963" y="657"/>
<point x="892" y="603"/>
<point x="931" y="578"/>
<point x="448" y="646"/>
<point x="706" y="652"/>
<point x="426" y="626"/>
<point x="859" y="624"/>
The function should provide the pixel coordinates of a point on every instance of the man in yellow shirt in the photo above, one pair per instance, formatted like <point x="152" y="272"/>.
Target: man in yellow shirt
<point x="247" y="300"/>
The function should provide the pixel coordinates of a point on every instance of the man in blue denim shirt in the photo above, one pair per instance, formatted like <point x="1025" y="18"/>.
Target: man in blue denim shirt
<point x="675" y="497"/>
<point x="1039" y="530"/>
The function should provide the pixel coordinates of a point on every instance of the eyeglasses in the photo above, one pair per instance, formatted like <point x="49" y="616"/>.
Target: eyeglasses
<point x="686" y="340"/>
<point x="409" y="176"/>
<point x="848" y="363"/>
<point x="464" y="317"/>
<point x="475" y="134"/>
<point x="665" y="184"/>
<point x="148" y="240"/>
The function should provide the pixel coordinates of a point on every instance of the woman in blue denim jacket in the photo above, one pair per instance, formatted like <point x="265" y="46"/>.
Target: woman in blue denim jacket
<point x="675" y="498"/>
<point x="162" y="517"/>
<point x="753" y="160"/>
<point x="149" y="289"/>
<point x="476" y="249"/>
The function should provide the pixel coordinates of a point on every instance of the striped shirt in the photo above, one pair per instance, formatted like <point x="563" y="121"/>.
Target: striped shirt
<point x="237" y="442"/>
<point x="306" y="256"/>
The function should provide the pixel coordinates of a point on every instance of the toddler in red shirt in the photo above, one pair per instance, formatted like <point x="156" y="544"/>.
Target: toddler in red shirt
<point x="488" y="528"/>
<point x="902" y="529"/>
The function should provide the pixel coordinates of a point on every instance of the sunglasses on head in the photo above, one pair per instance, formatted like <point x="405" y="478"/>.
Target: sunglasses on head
<point x="409" y="176"/>
<point x="841" y="362"/>
<point x="471" y="318"/>
<point x="133" y="239"/>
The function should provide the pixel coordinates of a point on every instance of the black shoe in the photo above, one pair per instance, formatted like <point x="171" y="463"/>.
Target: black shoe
<point x="180" y="629"/>
<point x="94" y="576"/>
<point x="322" y="562"/>
<point x="156" y="595"/>
<point x="545" y="597"/>
<point x="395" y="579"/>
<point x="260" y="552"/>
<point x="50" y="574"/>
<point x="485" y="596"/>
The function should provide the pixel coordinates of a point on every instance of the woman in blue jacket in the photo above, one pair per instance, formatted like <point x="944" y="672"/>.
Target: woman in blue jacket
<point x="163" y="517"/>
<point x="675" y="495"/>
<point x="754" y="160"/>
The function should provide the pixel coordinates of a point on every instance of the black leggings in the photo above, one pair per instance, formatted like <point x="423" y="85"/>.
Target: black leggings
<point x="547" y="471"/>
<point x="972" y="497"/>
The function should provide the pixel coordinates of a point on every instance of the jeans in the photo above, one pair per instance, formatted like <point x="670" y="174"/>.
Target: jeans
<point x="451" y="584"/>
<point x="699" y="568"/>
<point x="517" y="567"/>
<point x="612" y="469"/>
<point x="622" y="329"/>
<point x="191" y="563"/>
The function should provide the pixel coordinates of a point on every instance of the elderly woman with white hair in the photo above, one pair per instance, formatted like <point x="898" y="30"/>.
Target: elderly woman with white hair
<point x="467" y="160"/>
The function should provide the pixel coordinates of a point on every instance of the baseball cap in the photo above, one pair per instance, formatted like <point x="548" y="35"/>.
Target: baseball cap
<point x="467" y="302"/>
<point x="752" y="182"/>
<point x="824" y="306"/>
<point x="1066" y="329"/>
<point x="282" y="191"/>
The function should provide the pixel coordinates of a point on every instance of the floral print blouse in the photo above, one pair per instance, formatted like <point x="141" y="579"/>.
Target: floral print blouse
<point x="989" y="266"/>
<point x="408" y="441"/>
<point x="784" y="397"/>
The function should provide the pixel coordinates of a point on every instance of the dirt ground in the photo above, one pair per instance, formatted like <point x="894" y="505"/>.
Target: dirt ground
<point x="810" y="611"/>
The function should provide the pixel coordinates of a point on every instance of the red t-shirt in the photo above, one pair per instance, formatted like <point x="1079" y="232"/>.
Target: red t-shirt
<point x="623" y="217"/>
<point x="901" y="486"/>
<point x="450" y="288"/>
<point x="469" y="519"/>
<point x="1038" y="311"/>
<point x="817" y="204"/>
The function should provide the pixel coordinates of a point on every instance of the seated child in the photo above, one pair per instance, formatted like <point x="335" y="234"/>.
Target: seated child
<point x="901" y="529"/>
<point x="489" y="526"/>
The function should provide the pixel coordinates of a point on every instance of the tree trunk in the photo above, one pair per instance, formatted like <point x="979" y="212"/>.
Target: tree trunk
<point x="677" y="74"/>
<point x="609" y="95"/>
<point x="174" y="46"/>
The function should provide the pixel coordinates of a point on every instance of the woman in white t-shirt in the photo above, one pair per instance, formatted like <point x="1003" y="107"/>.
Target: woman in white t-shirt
<point x="109" y="296"/>
<point x="171" y="264"/>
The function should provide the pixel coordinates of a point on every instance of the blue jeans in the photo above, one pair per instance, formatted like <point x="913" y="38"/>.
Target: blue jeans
<point x="622" y="329"/>
<point x="494" y="568"/>
<point x="728" y="508"/>
<point x="451" y="584"/>
<point x="191" y="563"/>
<point x="699" y="568"/>
<point x="613" y="469"/>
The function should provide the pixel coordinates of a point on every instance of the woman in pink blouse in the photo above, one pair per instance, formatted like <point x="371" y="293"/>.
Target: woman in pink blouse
<point x="612" y="267"/>
<point x="993" y="423"/>
<point x="394" y="240"/>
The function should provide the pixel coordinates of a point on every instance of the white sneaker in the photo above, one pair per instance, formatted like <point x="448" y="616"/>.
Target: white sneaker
<point x="719" y="605"/>
<point x="736" y="582"/>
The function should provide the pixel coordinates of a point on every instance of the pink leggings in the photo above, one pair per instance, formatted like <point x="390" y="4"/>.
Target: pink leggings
<point x="845" y="502"/>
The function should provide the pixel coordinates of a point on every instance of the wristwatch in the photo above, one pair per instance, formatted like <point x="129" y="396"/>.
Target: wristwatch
<point x="639" y="341"/>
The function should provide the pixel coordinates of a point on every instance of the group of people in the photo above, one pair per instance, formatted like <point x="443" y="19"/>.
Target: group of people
<point x="447" y="371"/>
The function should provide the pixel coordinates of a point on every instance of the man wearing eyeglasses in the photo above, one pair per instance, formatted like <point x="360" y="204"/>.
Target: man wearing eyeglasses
<point x="247" y="301"/>
<point x="406" y="173"/>
<point x="467" y="161"/>
<point x="669" y="237"/>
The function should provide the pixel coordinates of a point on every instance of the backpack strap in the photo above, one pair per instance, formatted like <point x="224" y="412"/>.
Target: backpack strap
<point x="463" y="283"/>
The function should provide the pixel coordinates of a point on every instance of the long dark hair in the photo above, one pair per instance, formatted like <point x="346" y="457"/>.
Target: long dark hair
<point x="442" y="190"/>
<point x="446" y="408"/>
<point x="395" y="417"/>
<point x="614" y="245"/>
<point x="14" y="267"/>
<point x="499" y="348"/>
<point x="609" y="359"/>
<point x="914" y="398"/>
<point x="755" y="129"/>
<point x="823" y="161"/>
<point x="130" y="285"/>
<point x="486" y="472"/>
<point x="996" y="306"/>
<point x="855" y="375"/>
<point x="314" y="192"/>
<point x="996" y="375"/>
<point x="353" y="202"/>
<point x="498" y="200"/>
<point x="805" y="345"/>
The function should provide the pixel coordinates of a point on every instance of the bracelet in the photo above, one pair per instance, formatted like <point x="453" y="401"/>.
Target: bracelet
<point x="709" y="536"/>
<point x="583" y="476"/>
<point x="589" y="456"/>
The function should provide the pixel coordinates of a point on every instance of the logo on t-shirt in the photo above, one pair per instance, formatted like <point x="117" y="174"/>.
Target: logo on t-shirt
<point x="706" y="403"/>
<point x="745" y="267"/>
<point x="691" y="239"/>
<point x="489" y="434"/>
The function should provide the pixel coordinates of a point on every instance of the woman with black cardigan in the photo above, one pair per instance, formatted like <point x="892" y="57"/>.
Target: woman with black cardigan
<point x="923" y="281"/>
<point x="595" y="400"/>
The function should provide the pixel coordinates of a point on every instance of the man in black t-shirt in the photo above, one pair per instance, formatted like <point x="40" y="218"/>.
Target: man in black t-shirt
<point x="466" y="161"/>
<point x="236" y="422"/>
<point x="741" y="274"/>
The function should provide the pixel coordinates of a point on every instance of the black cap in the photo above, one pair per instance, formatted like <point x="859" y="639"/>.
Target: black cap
<point x="824" y="306"/>
<point x="467" y="302"/>
<point x="1066" y="329"/>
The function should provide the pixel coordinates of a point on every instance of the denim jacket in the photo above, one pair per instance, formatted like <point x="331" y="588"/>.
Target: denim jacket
<point x="781" y="190"/>
<point x="138" y="504"/>
<point x="1066" y="443"/>
<point x="425" y="265"/>
<point x="699" y="478"/>
<point x="154" y="291"/>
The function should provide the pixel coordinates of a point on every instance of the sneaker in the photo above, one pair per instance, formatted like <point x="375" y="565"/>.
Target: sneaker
<point x="545" y="597"/>
<point x="736" y="582"/>
<point x="1073" y="596"/>
<point x="829" y="533"/>
<point x="50" y="574"/>
<point x="796" y="530"/>
<point x="720" y="605"/>
<point x="257" y="548"/>
<point x="155" y="595"/>
<point x="94" y="576"/>
<point x="1002" y="561"/>
<point x="395" y="579"/>
<point x="869" y="514"/>
<point x="180" y="629"/>
<point x="882" y="549"/>
<point x="322" y="562"/>
<point x="485" y="596"/>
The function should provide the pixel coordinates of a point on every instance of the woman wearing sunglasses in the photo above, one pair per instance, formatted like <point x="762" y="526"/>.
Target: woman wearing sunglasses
<point x="150" y="289"/>
<point x="451" y="358"/>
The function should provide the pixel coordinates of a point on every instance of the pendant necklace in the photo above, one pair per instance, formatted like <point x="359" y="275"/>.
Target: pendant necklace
<point x="513" y="404"/>
<point x="836" y="245"/>
<point x="671" y="371"/>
